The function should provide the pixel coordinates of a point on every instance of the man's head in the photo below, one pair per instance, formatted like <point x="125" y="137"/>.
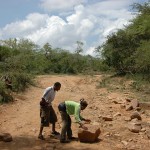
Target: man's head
<point x="83" y="104"/>
<point x="57" y="86"/>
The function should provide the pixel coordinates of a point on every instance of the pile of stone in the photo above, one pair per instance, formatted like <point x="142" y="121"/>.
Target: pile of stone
<point x="136" y="108"/>
<point x="135" y="123"/>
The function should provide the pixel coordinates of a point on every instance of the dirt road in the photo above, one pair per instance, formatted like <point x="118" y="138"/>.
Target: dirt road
<point x="21" y="118"/>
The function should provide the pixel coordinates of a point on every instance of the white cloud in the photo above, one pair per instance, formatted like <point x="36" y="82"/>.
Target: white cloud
<point x="55" y="5"/>
<point x="77" y="15"/>
<point x="90" y="51"/>
<point x="85" y="28"/>
<point x="50" y="33"/>
<point x="24" y="27"/>
<point x="87" y="23"/>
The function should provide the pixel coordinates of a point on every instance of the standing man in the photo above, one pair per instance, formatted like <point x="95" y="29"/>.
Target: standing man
<point x="47" y="112"/>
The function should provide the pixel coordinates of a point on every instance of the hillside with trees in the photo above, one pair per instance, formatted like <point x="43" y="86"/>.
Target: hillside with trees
<point x="128" y="50"/>
<point x="125" y="52"/>
<point x="21" y="60"/>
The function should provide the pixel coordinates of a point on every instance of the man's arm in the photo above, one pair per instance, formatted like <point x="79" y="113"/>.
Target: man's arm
<point x="79" y="118"/>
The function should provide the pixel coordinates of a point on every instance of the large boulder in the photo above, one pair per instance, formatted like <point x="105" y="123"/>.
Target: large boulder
<point x="135" y="103"/>
<point x="6" y="137"/>
<point x="135" y="127"/>
<point x="135" y="115"/>
<point x="90" y="135"/>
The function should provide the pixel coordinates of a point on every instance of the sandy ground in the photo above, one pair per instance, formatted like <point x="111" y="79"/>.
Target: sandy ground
<point x="21" y="118"/>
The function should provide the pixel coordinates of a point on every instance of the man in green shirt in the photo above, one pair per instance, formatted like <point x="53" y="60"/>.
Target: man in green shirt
<point x="66" y="109"/>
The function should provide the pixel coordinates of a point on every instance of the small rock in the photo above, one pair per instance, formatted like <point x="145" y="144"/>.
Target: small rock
<point x="107" y="118"/>
<point x="136" y="121"/>
<point x="107" y="134"/>
<point x="115" y="102"/>
<point x="138" y="108"/>
<point x="136" y="115"/>
<point x="128" y="107"/>
<point x="130" y="140"/>
<point x="100" y="116"/>
<point x="124" y="143"/>
<point x="117" y="134"/>
<point x="127" y="119"/>
<point x="128" y="100"/>
<point x="143" y="130"/>
<point x="117" y="114"/>
<point x="122" y="106"/>
<point x="133" y="127"/>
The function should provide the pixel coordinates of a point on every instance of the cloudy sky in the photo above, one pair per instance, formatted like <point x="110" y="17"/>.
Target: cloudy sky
<point x="63" y="22"/>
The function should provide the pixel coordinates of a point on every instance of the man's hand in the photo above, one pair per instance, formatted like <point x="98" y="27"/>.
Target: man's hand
<point x="43" y="103"/>
<point x="85" y="128"/>
<point x="82" y="126"/>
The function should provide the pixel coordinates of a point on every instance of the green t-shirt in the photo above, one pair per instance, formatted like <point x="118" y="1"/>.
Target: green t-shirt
<point x="73" y="108"/>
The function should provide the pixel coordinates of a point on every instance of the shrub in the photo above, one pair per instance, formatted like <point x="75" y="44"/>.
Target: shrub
<point x="20" y="81"/>
<point x="5" y="95"/>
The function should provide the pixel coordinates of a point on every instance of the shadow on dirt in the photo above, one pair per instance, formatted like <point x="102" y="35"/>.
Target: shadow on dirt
<point x="33" y="143"/>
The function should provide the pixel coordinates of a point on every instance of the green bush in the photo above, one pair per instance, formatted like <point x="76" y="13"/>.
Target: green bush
<point x="5" y="95"/>
<point x="20" y="81"/>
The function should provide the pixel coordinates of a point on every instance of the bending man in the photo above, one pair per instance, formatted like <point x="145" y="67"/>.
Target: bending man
<point x="66" y="109"/>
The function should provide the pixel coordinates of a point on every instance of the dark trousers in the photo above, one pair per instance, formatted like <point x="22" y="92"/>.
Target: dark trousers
<point x="66" y="126"/>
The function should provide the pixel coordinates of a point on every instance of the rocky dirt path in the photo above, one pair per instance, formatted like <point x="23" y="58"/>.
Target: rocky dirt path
<point x="21" y="118"/>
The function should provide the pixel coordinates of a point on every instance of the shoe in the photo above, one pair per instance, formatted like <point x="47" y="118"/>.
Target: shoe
<point x="41" y="137"/>
<point x="72" y="138"/>
<point x="64" y="141"/>
<point x="55" y="133"/>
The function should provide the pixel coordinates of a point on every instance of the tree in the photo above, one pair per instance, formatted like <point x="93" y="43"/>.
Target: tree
<point x="26" y="45"/>
<point x="79" y="48"/>
<point x="11" y="43"/>
<point x="47" y="50"/>
<point x="123" y="48"/>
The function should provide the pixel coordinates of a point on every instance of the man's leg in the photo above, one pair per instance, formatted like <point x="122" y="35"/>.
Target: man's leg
<point x="64" y="117"/>
<point x="53" y="127"/>
<point x="41" y="130"/>
<point x="69" y="131"/>
<point x="44" y="114"/>
<point x="53" y="120"/>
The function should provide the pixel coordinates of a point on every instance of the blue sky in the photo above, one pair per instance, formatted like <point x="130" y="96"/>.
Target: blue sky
<point x="63" y="22"/>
